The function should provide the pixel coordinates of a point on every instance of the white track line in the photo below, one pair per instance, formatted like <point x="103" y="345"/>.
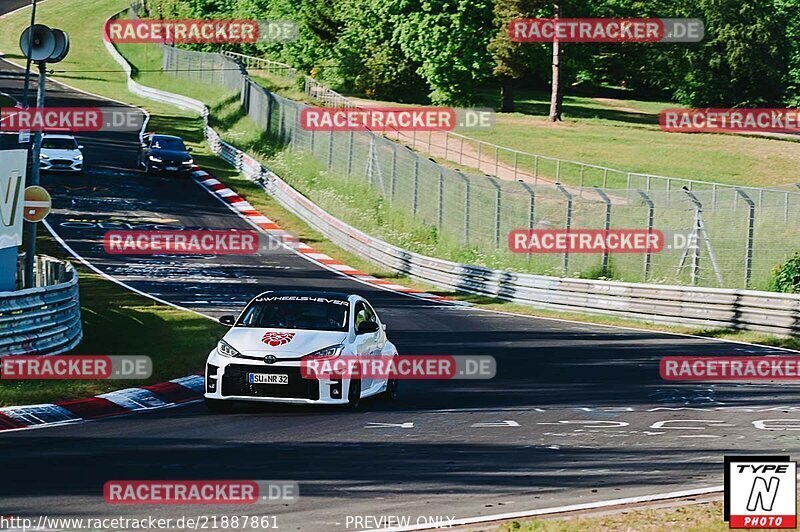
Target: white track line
<point x="563" y="509"/>
<point x="113" y="279"/>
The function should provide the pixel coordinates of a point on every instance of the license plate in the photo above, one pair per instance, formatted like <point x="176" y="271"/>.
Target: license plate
<point x="268" y="378"/>
<point x="172" y="168"/>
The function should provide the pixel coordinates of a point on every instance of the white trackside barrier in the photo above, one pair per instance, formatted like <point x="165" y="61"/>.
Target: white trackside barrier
<point x="46" y="319"/>
<point x="673" y="305"/>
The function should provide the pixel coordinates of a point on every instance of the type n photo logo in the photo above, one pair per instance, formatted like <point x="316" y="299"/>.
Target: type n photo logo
<point x="760" y="492"/>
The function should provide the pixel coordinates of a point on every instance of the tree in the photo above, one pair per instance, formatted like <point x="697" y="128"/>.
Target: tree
<point x="512" y="59"/>
<point x="448" y="38"/>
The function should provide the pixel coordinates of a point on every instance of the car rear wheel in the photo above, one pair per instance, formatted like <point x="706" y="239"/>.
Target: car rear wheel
<point x="218" y="407"/>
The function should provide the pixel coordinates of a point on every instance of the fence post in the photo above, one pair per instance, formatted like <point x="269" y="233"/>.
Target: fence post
<point x="498" y="190"/>
<point x="531" y="204"/>
<point x="270" y="107"/>
<point x="280" y="123"/>
<point x="567" y="225"/>
<point x="416" y="186"/>
<point x="531" y="210"/>
<point x="516" y="163"/>
<point x="466" y="206"/>
<point x="699" y="232"/>
<point x="628" y="188"/>
<point x="439" y="213"/>
<point x="606" y="226"/>
<point x="330" y="150"/>
<point x="648" y="256"/>
<point x="496" y="159"/>
<point x="350" y="153"/>
<point x="393" y="179"/>
<point x="751" y="221"/>
<point x="535" y="170"/>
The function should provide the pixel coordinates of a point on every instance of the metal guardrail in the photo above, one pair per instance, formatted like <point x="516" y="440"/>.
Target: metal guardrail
<point x="666" y="304"/>
<point x="46" y="319"/>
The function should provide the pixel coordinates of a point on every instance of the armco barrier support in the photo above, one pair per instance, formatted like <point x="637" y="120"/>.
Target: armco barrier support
<point x="45" y="320"/>
<point x="665" y="304"/>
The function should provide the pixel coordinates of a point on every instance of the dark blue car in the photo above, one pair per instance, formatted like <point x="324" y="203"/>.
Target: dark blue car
<point x="164" y="153"/>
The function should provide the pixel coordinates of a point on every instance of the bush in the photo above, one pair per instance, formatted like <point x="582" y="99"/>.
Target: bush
<point x="786" y="277"/>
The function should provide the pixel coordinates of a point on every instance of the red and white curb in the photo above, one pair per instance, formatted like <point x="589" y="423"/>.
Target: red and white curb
<point x="120" y="402"/>
<point x="245" y="210"/>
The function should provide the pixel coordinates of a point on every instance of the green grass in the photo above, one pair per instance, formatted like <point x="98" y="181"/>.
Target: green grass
<point x="704" y="517"/>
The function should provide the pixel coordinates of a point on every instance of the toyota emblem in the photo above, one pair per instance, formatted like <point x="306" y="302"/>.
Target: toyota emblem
<point x="270" y="359"/>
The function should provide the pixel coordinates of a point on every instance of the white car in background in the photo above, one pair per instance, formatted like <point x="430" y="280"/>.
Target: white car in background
<point x="60" y="153"/>
<point x="260" y="357"/>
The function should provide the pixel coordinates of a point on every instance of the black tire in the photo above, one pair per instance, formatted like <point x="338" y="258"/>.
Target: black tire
<point x="354" y="394"/>
<point x="390" y="394"/>
<point x="218" y="406"/>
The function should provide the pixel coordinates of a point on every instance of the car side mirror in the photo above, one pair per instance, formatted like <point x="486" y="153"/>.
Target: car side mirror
<point x="366" y="327"/>
<point x="228" y="320"/>
<point x="80" y="146"/>
<point x="188" y="149"/>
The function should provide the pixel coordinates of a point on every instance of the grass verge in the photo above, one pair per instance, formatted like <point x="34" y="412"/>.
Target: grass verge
<point x="701" y="517"/>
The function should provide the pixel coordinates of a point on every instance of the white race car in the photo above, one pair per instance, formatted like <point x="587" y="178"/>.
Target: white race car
<point x="266" y="353"/>
<point x="60" y="153"/>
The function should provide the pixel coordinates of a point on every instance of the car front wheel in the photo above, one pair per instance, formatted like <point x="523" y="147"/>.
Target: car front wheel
<point x="354" y="394"/>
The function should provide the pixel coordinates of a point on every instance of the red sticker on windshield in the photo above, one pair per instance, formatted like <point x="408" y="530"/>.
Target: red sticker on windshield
<point x="274" y="339"/>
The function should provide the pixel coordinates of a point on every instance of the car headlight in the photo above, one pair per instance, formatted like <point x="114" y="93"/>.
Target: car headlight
<point x="225" y="349"/>
<point x="155" y="159"/>
<point x="190" y="161"/>
<point x="326" y="353"/>
<point x="78" y="157"/>
<point x="43" y="156"/>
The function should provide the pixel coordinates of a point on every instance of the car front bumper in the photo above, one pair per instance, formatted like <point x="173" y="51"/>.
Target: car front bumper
<point x="169" y="168"/>
<point x="227" y="378"/>
<point x="60" y="165"/>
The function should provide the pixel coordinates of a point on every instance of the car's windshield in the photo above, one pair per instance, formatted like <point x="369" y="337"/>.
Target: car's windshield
<point x="168" y="144"/>
<point x="59" y="144"/>
<point x="296" y="312"/>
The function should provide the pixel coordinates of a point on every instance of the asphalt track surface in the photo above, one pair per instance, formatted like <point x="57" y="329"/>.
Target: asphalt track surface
<point x="577" y="413"/>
